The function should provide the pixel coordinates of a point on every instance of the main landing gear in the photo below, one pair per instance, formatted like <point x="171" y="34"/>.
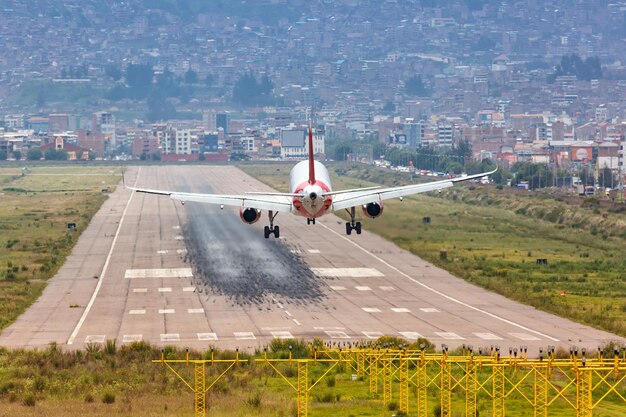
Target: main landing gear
<point x="271" y="229"/>
<point x="352" y="225"/>
<point x="310" y="220"/>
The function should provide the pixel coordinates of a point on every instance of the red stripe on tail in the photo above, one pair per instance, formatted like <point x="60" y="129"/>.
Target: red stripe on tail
<point x="311" y="160"/>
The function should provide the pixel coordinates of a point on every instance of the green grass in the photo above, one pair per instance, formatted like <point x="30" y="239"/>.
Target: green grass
<point x="494" y="237"/>
<point x="34" y="212"/>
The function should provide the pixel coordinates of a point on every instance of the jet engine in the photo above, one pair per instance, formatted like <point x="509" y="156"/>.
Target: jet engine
<point x="373" y="210"/>
<point x="249" y="215"/>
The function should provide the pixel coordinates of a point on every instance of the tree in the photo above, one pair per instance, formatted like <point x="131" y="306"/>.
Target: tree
<point x="414" y="86"/>
<point x="34" y="154"/>
<point x="50" y="154"/>
<point x="159" y="108"/>
<point x="3" y="155"/>
<point x="389" y="108"/>
<point x="248" y="92"/>
<point x="156" y="156"/>
<point x="114" y="71"/>
<point x="139" y="79"/>
<point x="191" y="77"/>
<point x="17" y="155"/>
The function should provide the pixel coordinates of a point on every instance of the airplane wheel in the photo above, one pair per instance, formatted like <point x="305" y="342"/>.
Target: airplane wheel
<point x="357" y="227"/>
<point x="276" y="232"/>
<point x="266" y="231"/>
<point x="348" y="228"/>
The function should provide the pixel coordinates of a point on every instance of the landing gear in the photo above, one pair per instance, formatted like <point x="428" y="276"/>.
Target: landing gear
<point x="310" y="220"/>
<point x="271" y="229"/>
<point x="352" y="225"/>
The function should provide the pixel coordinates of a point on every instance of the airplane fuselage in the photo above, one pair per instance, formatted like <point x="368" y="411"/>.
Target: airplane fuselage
<point x="311" y="204"/>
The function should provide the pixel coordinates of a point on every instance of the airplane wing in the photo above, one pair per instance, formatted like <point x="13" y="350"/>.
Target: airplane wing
<point x="354" y="198"/>
<point x="260" y="201"/>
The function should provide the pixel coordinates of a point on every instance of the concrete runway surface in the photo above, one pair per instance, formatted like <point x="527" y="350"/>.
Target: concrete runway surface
<point x="148" y="268"/>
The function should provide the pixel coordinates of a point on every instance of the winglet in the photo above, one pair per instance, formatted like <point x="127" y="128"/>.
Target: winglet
<point x="311" y="159"/>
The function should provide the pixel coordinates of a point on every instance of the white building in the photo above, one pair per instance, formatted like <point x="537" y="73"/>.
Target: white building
<point x="294" y="143"/>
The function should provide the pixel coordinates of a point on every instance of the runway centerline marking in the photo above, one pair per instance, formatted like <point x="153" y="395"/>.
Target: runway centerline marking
<point x="429" y="288"/>
<point x="105" y="267"/>
<point x="371" y="310"/>
<point x="400" y="310"/>
<point x="195" y="310"/>
<point x="363" y="288"/>
<point x="137" y="290"/>
<point x="167" y="311"/>
<point x="137" y="312"/>
<point x="430" y="310"/>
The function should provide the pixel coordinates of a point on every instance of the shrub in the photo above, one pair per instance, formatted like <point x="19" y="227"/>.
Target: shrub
<point x="29" y="400"/>
<point x="108" y="398"/>
<point x="254" y="401"/>
<point x="330" y="381"/>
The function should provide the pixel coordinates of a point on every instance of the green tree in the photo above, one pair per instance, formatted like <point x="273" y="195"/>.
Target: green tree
<point x="159" y="107"/>
<point x="191" y="77"/>
<point x="249" y="92"/>
<point x="34" y="154"/>
<point x="3" y="155"/>
<point x="389" y="108"/>
<point x="17" y="155"/>
<point x="414" y="86"/>
<point x="114" y="71"/>
<point x="156" y="156"/>
<point x="139" y="79"/>
<point x="50" y="154"/>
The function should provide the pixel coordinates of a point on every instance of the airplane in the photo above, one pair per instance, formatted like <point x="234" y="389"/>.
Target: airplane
<point x="311" y="196"/>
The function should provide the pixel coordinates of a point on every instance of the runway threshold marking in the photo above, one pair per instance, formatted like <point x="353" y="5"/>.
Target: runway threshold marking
<point x="158" y="273"/>
<point x="347" y="272"/>
<point x="95" y="338"/>
<point x="449" y="335"/>
<point x="282" y="335"/>
<point x="244" y="336"/>
<point x="373" y="335"/>
<point x="105" y="267"/>
<point x="435" y="291"/>
<point x="487" y="336"/>
<point x="337" y="334"/>
<point x="207" y="336"/>
<point x="411" y="335"/>
<point x="130" y="338"/>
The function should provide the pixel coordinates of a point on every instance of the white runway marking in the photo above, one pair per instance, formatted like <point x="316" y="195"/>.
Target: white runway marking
<point x="449" y="335"/>
<point x="167" y="311"/>
<point x="347" y="272"/>
<point x="137" y="290"/>
<point x="95" y="338"/>
<point x="129" y="338"/>
<point x="162" y="252"/>
<point x="430" y="310"/>
<point x="176" y="227"/>
<point x="282" y="335"/>
<point x="363" y="288"/>
<point x="103" y="273"/>
<point x="165" y="289"/>
<point x="179" y="237"/>
<point x="244" y="336"/>
<point x="181" y="251"/>
<point x="371" y="310"/>
<point x="297" y="322"/>
<point x="400" y="310"/>
<point x="195" y="310"/>
<point x="337" y="335"/>
<point x="207" y="336"/>
<point x="411" y="335"/>
<point x="314" y="251"/>
<point x="373" y="335"/>
<point x="189" y="289"/>
<point x="337" y="288"/>
<point x="170" y="337"/>
<point x="435" y="291"/>
<point x="137" y="312"/>
<point x="387" y="288"/>
<point x="487" y="336"/>
<point x="159" y="273"/>
<point x="524" y="336"/>
<point x="288" y="313"/>
<point x="295" y="251"/>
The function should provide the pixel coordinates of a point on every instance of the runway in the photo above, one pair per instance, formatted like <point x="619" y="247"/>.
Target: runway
<point x="195" y="276"/>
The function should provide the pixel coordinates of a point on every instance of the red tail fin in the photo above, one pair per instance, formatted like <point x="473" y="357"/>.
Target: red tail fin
<point x="311" y="160"/>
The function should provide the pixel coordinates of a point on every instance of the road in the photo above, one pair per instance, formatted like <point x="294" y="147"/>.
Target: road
<point x="148" y="268"/>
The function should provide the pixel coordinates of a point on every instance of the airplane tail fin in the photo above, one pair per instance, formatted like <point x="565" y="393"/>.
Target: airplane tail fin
<point x="311" y="159"/>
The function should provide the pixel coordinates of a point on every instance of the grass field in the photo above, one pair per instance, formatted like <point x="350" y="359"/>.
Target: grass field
<point x="494" y="237"/>
<point x="34" y="239"/>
